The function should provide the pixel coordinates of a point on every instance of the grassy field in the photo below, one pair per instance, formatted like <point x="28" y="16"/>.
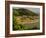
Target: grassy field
<point x="25" y="24"/>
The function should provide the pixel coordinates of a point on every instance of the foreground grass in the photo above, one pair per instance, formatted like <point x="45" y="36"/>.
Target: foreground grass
<point x="32" y="26"/>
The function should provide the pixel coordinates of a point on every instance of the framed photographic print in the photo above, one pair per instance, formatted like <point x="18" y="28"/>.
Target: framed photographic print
<point x="24" y="18"/>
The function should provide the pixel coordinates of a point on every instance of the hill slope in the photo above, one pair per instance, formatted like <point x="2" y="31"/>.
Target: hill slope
<point x="22" y="11"/>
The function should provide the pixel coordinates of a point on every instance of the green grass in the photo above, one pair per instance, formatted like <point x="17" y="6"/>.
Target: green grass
<point x="32" y="26"/>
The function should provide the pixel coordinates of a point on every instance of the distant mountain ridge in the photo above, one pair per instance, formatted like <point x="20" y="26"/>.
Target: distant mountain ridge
<point x="22" y="11"/>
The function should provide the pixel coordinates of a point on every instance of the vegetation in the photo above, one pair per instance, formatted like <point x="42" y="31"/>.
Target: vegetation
<point x="23" y="15"/>
<point x="22" y="11"/>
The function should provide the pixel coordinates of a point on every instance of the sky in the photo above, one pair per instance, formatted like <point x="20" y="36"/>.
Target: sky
<point x="36" y="10"/>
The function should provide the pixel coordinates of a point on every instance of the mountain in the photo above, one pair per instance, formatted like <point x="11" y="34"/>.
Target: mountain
<point x="22" y="11"/>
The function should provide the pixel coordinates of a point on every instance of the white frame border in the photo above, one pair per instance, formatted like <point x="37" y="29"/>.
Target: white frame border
<point x="25" y="31"/>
